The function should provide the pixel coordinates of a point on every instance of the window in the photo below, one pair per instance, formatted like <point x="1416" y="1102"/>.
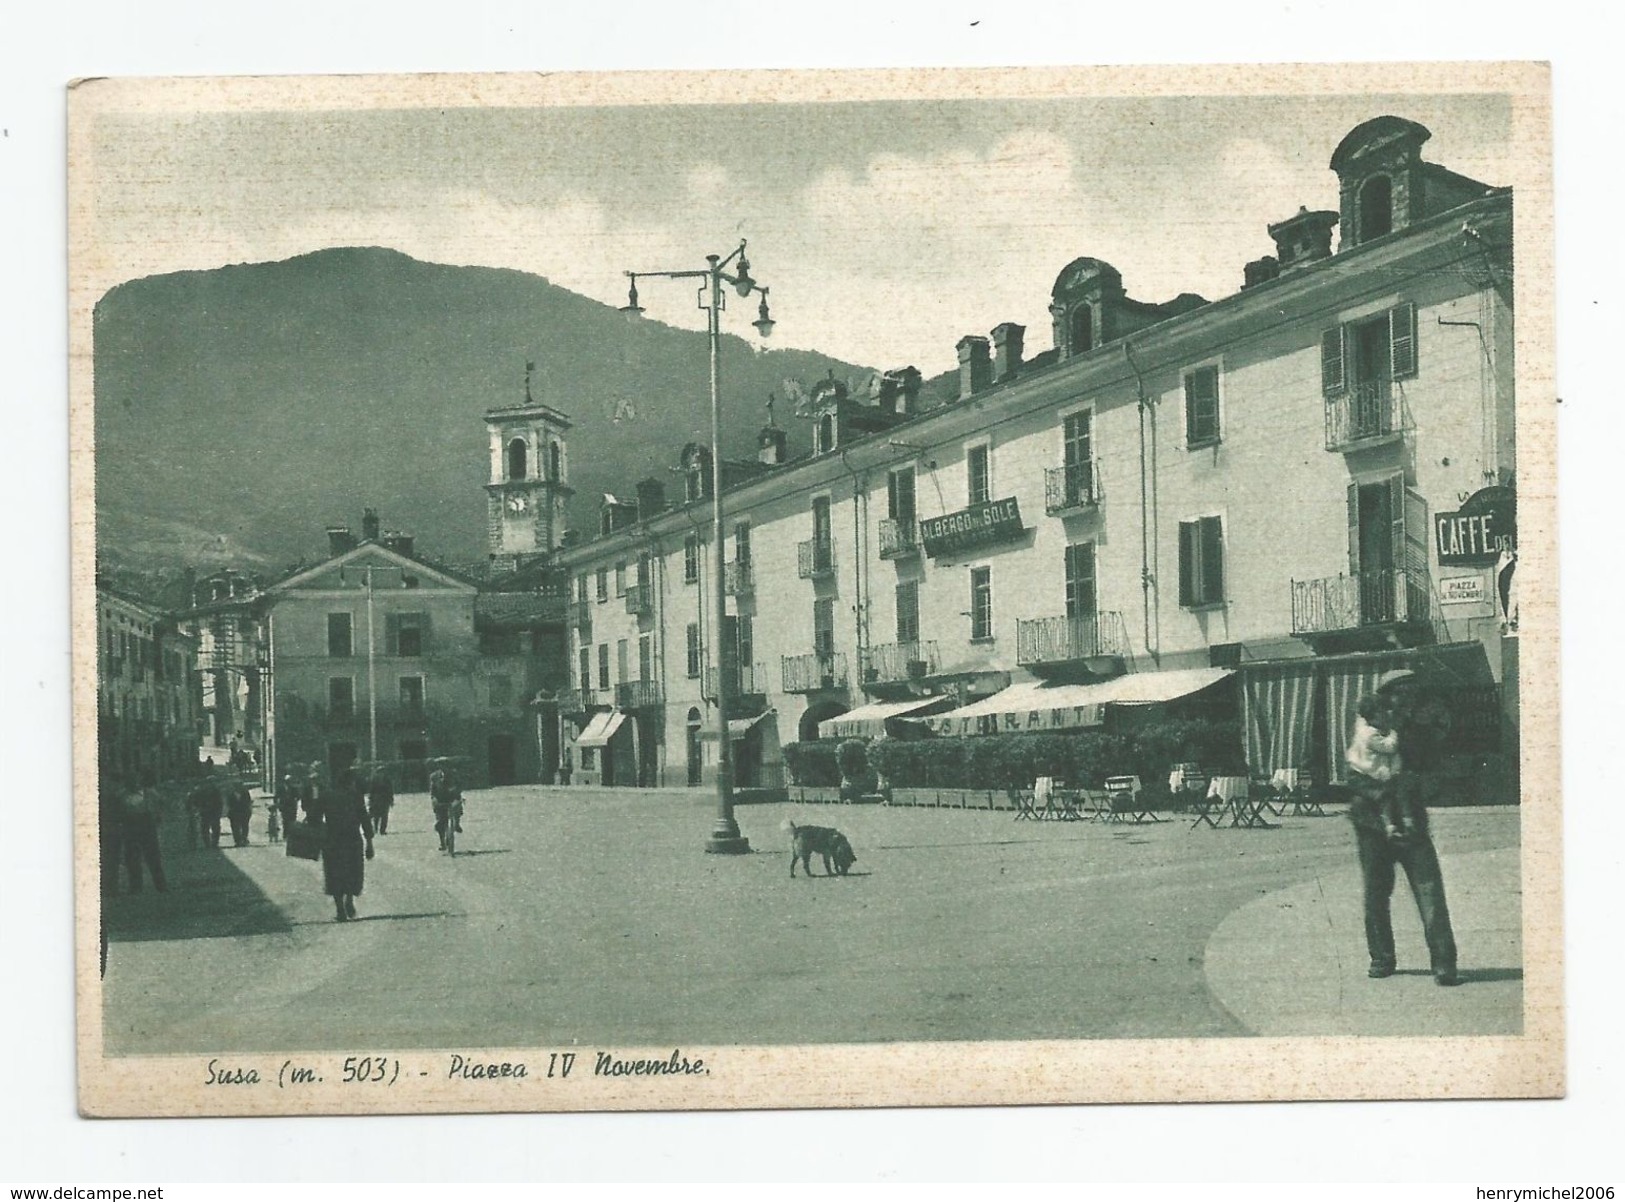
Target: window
<point x="406" y="634"/>
<point x="981" y="603"/>
<point x="339" y="643"/>
<point x="620" y="579"/>
<point x="645" y="571"/>
<point x="555" y="461"/>
<point x="501" y="691"/>
<point x="691" y="559"/>
<point x="340" y="696"/>
<point x="823" y="527"/>
<point x="412" y="695"/>
<point x="908" y="612"/>
<point x="900" y="494"/>
<point x="824" y="438"/>
<point x="977" y="484"/>
<point x="517" y="454"/>
<point x="603" y="584"/>
<point x="693" y="644"/>
<point x="1376" y="216"/>
<point x="603" y="665"/>
<point x="1078" y="457"/>
<point x="621" y="661"/>
<point x="584" y="669"/>
<point x="742" y="542"/>
<point x="824" y="627"/>
<point x="1201" y="562"/>
<point x="581" y="587"/>
<point x="645" y="657"/>
<point x="1081" y="601"/>
<point x="1370" y="352"/>
<point x="1083" y="329"/>
<point x="697" y="474"/>
<point x="744" y="641"/>
<point x="1201" y="407"/>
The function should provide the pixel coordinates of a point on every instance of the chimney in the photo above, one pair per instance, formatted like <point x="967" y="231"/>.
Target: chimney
<point x="1305" y="237"/>
<point x="908" y="391"/>
<point x="399" y="543"/>
<point x="651" y="498"/>
<point x="1260" y="271"/>
<point x="772" y="445"/>
<point x="1007" y="339"/>
<point x="886" y="393"/>
<point x="339" y="540"/>
<point x="974" y="365"/>
<point x="369" y="525"/>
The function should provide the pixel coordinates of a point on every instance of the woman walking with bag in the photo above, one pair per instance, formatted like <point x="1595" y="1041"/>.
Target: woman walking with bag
<point x="347" y="845"/>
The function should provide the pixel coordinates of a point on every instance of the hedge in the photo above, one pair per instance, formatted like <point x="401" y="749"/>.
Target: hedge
<point x="1008" y="761"/>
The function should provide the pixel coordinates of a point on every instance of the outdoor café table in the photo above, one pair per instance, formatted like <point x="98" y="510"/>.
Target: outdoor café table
<point x="1293" y="785"/>
<point x="1234" y="792"/>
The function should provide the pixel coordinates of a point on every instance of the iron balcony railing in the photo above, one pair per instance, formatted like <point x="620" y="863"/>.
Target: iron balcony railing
<point x="891" y="663"/>
<point x="581" y="615"/>
<point x="1062" y="639"/>
<point x="1073" y="486"/>
<point x="589" y="699"/>
<point x="739" y="578"/>
<point x="1365" y="412"/>
<point x="638" y="694"/>
<point x="744" y="680"/>
<point x="1335" y="603"/>
<point x="899" y="538"/>
<point x="640" y="599"/>
<point x="815" y="559"/>
<point x="809" y="673"/>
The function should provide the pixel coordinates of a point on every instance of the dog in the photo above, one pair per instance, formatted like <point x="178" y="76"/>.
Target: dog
<point x="806" y="841"/>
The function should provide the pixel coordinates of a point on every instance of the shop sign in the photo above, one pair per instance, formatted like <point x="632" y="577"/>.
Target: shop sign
<point x="1018" y="721"/>
<point x="1477" y="533"/>
<point x="975" y="526"/>
<point x="1462" y="590"/>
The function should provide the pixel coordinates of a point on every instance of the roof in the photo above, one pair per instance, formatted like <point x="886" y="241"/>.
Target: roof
<point x="366" y="549"/>
<point x="518" y="608"/>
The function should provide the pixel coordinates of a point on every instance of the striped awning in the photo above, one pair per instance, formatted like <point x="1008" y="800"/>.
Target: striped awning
<point x="601" y="729"/>
<point x="869" y="721"/>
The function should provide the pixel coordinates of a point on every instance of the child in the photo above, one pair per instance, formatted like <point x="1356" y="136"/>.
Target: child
<point x="1374" y="754"/>
<point x="273" y="821"/>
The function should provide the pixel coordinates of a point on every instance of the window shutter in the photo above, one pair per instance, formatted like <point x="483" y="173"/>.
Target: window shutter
<point x="1354" y="529"/>
<point x="1212" y="582"/>
<point x="1332" y="377"/>
<point x="1402" y="340"/>
<point x="1396" y="516"/>
<point x="1187" y="563"/>
<point x="392" y="634"/>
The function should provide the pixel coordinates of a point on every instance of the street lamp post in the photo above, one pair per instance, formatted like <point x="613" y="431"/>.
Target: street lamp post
<point x="725" y="837"/>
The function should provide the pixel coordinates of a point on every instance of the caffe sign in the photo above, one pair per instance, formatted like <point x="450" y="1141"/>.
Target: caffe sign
<point x="1477" y="533"/>
<point x="978" y="525"/>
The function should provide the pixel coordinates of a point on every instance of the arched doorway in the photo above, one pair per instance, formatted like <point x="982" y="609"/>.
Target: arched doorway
<point x="518" y="453"/>
<point x="693" y="744"/>
<point x="1376" y="207"/>
<point x="818" y="711"/>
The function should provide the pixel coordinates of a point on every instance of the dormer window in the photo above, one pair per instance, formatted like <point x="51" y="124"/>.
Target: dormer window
<point x="1082" y="329"/>
<point x="824" y="436"/>
<point x="696" y="473"/>
<point x="1376" y="207"/>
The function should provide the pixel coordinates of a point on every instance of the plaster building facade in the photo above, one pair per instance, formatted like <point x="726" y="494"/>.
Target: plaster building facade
<point x="1246" y="502"/>
<point x="149" y="702"/>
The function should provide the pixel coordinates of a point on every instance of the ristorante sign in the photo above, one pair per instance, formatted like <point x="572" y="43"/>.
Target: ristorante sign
<point x="975" y="526"/>
<point x="1477" y="533"/>
<point x="1018" y="721"/>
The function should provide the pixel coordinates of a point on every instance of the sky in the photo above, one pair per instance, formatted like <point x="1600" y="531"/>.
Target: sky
<point x="886" y="230"/>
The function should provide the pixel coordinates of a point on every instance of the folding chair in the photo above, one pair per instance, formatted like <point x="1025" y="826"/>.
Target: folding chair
<point x="1209" y="806"/>
<point x="1044" y="797"/>
<point x="1123" y="792"/>
<point x="1022" y="799"/>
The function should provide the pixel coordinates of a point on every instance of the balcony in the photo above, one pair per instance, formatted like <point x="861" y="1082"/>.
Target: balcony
<point x="809" y="673"/>
<point x="1338" y="604"/>
<point x="739" y="578"/>
<point x="894" y="663"/>
<point x="1366" y="415"/>
<point x="1071" y="488"/>
<point x="592" y="699"/>
<point x="1062" y="640"/>
<point x="743" y="680"/>
<point x="638" y="695"/>
<point x="640" y="600"/>
<point x="815" y="559"/>
<point x="899" y="538"/>
<point x="581" y="615"/>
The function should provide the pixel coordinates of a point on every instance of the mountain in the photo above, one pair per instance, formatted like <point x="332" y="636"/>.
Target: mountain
<point x="241" y="410"/>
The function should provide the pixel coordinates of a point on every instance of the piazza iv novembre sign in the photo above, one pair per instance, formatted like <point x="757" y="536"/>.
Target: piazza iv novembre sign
<point x="974" y="526"/>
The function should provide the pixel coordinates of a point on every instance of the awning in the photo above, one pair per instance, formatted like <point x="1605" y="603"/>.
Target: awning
<point x="738" y="728"/>
<point x="869" y="721"/>
<point x="601" y="729"/>
<point x="1034" y="705"/>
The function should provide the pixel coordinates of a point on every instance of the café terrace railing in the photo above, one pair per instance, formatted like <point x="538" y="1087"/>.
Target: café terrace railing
<point x="1348" y="602"/>
<point x="814" y="671"/>
<point x="891" y="663"/>
<point x="744" y="680"/>
<point x="638" y="694"/>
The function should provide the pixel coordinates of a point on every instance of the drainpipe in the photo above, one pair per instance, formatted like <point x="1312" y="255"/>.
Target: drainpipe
<point x="1148" y="580"/>
<point x="860" y="605"/>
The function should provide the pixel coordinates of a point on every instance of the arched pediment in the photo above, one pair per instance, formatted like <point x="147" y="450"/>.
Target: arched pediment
<point x="1377" y="134"/>
<point x="1081" y="274"/>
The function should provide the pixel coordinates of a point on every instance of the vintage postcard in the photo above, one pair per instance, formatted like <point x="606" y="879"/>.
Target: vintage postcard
<point x="814" y="589"/>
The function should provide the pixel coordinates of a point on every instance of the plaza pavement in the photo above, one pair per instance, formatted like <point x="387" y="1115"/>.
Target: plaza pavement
<point x="594" y="917"/>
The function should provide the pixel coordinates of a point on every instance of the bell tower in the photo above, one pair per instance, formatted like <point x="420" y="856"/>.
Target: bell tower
<point x="529" y="482"/>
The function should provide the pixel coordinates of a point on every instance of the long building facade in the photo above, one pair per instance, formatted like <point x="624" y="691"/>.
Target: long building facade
<point x="149" y="697"/>
<point x="1263" y="500"/>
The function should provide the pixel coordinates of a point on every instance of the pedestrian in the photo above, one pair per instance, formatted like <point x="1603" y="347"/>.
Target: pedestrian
<point x="313" y="794"/>
<point x="347" y="844"/>
<point x="1398" y="731"/>
<point x="273" y="821"/>
<point x="379" y="801"/>
<point x="564" y="767"/>
<point x="287" y="800"/>
<point x="141" y="813"/>
<point x="239" y="809"/>
<point x="209" y="805"/>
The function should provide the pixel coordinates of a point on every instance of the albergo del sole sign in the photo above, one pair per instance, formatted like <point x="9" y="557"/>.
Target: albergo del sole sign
<point x="977" y="525"/>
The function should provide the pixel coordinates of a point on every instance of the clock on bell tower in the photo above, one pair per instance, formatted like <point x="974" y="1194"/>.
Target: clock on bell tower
<point x="529" y="482"/>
